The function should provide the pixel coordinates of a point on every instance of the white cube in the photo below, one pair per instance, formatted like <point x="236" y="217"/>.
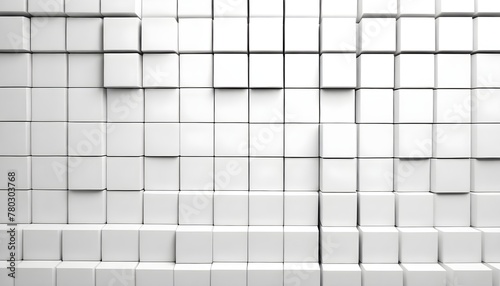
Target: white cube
<point x="459" y="245"/>
<point x="376" y="209"/>
<point x="122" y="70"/>
<point x="447" y="40"/>
<point x="415" y="209"/>
<point x="450" y="175"/>
<point x="375" y="71"/>
<point x="414" y="71"/>
<point x="193" y="244"/>
<point x="339" y="245"/>
<point x="338" y="209"/>
<point x="120" y="243"/>
<point x="338" y="175"/>
<point x="338" y="70"/>
<point x="379" y="244"/>
<point x="418" y="245"/>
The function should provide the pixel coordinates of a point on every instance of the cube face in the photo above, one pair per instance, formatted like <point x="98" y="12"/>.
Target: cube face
<point x="338" y="34"/>
<point x="338" y="175"/>
<point x="414" y="71"/>
<point x="230" y="71"/>
<point x="89" y="26"/>
<point x="120" y="243"/>
<point x="483" y="212"/>
<point x="195" y="35"/>
<point x="341" y="274"/>
<point x="482" y="179"/>
<point x="388" y="274"/>
<point x="378" y="244"/>
<point x="152" y="27"/>
<point x="375" y="71"/>
<point x="18" y="26"/>
<point x="234" y="236"/>
<point x="15" y="70"/>
<point x="266" y="34"/>
<point x="447" y="40"/>
<point x="193" y="244"/>
<point x="385" y="40"/>
<point x="441" y="171"/>
<point x="374" y="106"/>
<point x="301" y="34"/>
<point x="421" y="42"/>
<point x="376" y="209"/>
<point x="338" y="70"/>
<point x="340" y="244"/>
<point x="115" y="64"/>
<point x="230" y="34"/>
<point x="265" y="244"/>
<point x="459" y="245"/>
<point x="338" y="209"/>
<point x="301" y="244"/>
<point x="410" y="138"/>
<point x="414" y="210"/>
<point x="430" y="274"/>
<point x="453" y="71"/>
<point x="469" y="273"/>
<point x="418" y="245"/>
<point x="157" y="243"/>
<point x="375" y="175"/>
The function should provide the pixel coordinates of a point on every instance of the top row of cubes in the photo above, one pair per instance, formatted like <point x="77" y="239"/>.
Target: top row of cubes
<point x="258" y="8"/>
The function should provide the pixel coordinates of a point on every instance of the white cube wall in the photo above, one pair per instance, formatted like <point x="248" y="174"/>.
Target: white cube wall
<point x="201" y="142"/>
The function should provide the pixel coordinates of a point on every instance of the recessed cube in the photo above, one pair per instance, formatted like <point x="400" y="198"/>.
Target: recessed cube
<point x="483" y="178"/>
<point x="195" y="35"/>
<point x="41" y="273"/>
<point x="91" y="27"/>
<point x="374" y="106"/>
<point x="15" y="70"/>
<point x="230" y="70"/>
<point x="489" y="243"/>
<point x="160" y="70"/>
<point x="122" y="70"/>
<point x="338" y="70"/>
<point x="376" y="209"/>
<point x="339" y="245"/>
<point x="154" y="274"/>
<point x="265" y="208"/>
<point x="124" y="206"/>
<point x="307" y="202"/>
<point x="469" y="274"/>
<point x="266" y="71"/>
<point x="161" y="105"/>
<point x="124" y="173"/>
<point x="381" y="274"/>
<point x="378" y="244"/>
<point x="301" y="140"/>
<point x="453" y="71"/>
<point x="377" y="35"/>
<point x="375" y="175"/>
<point x="447" y="38"/>
<point x="414" y="8"/>
<point x="301" y="70"/>
<point x="301" y="244"/>
<point x="128" y="8"/>
<point x="341" y="274"/>
<point x="193" y="244"/>
<point x="157" y="243"/>
<point x="375" y="71"/>
<point x="119" y="99"/>
<point x="15" y="33"/>
<point x="410" y="138"/>
<point x="265" y="244"/>
<point x="42" y="242"/>
<point x="301" y="174"/>
<point x="337" y="106"/>
<point x="266" y="34"/>
<point x="230" y="243"/>
<point x="418" y="245"/>
<point x="301" y="34"/>
<point x="48" y="34"/>
<point x="424" y="274"/>
<point x="109" y="272"/>
<point x="159" y="34"/>
<point x="484" y="210"/>
<point x="415" y="34"/>
<point x="85" y="104"/>
<point x="120" y="242"/>
<point x="414" y="209"/>
<point x="50" y="70"/>
<point x="81" y="242"/>
<point x="49" y="206"/>
<point x="85" y="70"/>
<point x="338" y="209"/>
<point x="450" y="175"/>
<point x="414" y="71"/>
<point x="231" y="208"/>
<point x="485" y="71"/>
<point x="338" y="34"/>
<point x="43" y="145"/>
<point x="454" y="8"/>
<point x="230" y="34"/>
<point x="375" y="140"/>
<point x="459" y="245"/>
<point x="87" y="206"/>
<point x="70" y="271"/>
<point x="225" y="274"/>
<point x="452" y="209"/>
<point x="196" y="208"/>
<point x="370" y="8"/>
<point x="160" y="207"/>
